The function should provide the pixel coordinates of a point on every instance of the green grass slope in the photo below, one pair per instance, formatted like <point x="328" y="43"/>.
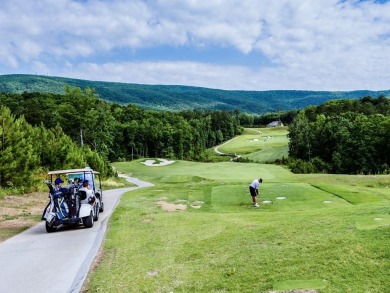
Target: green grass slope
<point x="175" y="97"/>
<point x="196" y="231"/>
<point x="261" y="145"/>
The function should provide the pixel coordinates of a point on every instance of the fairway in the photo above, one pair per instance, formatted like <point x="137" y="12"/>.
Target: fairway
<point x="260" y="145"/>
<point x="196" y="231"/>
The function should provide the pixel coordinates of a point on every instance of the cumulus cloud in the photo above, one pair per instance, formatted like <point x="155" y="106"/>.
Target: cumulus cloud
<point x="323" y="44"/>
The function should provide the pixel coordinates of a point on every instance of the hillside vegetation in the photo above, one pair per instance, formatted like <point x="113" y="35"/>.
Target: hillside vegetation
<point x="175" y="98"/>
<point x="344" y="136"/>
<point x="50" y="131"/>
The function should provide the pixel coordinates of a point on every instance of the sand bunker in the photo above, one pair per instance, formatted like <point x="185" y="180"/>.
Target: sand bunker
<point x="197" y="204"/>
<point x="281" y="197"/>
<point x="158" y="163"/>
<point x="195" y="207"/>
<point x="171" y="207"/>
<point x="327" y="201"/>
<point x="377" y="219"/>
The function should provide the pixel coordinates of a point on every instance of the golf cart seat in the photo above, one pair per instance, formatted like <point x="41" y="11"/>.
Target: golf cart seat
<point x="83" y="194"/>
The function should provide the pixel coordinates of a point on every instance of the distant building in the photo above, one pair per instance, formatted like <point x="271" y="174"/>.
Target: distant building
<point x="275" y="124"/>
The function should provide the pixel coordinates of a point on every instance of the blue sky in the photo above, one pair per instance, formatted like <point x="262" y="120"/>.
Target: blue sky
<point x="226" y="44"/>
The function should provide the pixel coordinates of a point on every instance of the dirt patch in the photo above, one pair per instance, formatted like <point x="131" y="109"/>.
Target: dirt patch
<point x="152" y="274"/>
<point x="19" y="212"/>
<point x="171" y="207"/>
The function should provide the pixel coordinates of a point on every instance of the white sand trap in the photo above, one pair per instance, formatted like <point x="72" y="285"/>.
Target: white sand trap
<point x="378" y="219"/>
<point x="171" y="207"/>
<point x="195" y="207"/>
<point x="153" y="163"/>
<point x="197" y="204"/>
<point x="266" y="201"/>
<point x="281" y="197"/>
<point x="327" y="201"/>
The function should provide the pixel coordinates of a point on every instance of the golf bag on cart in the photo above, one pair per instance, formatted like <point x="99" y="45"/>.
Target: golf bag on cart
<point x="58" y="203"/>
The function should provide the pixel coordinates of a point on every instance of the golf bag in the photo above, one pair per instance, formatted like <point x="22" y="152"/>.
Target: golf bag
<point x="62" y="209"/>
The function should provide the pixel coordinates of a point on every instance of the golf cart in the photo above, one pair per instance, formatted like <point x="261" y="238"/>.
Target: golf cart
<point x="78" y="202"/>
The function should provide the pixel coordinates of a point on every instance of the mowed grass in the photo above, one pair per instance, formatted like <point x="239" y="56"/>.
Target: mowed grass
<point x="260" y="145"/>
<point x="317" y="233"/>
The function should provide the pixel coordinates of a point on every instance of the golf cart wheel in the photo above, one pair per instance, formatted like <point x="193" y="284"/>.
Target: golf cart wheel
<point x="96" y="218"/>
<point x="88" y="221"/>
<point x="101" y="207"/>
<point x="50" y="228"/>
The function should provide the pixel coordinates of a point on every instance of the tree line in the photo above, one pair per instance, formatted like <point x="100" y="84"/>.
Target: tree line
<point x="26" y="151"/>
<point x="51" y="131"/>
<point x="342" y="136"/>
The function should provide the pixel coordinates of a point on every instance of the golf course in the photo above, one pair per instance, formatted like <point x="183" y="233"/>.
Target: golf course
<point x="196" y="230"/>
<point x="260" y="145"/>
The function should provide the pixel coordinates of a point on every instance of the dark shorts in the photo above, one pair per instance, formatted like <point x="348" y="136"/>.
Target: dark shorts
<point x="252" y="191"/>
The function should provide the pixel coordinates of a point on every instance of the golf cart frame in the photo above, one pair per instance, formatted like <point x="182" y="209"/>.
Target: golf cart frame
<point x="69" y="205"/>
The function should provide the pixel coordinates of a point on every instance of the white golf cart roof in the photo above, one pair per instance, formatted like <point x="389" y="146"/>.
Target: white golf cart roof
<point x="70" y="171"/>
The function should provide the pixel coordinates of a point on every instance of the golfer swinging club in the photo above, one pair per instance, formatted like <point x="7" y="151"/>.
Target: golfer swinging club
<point x="254" y="190"/>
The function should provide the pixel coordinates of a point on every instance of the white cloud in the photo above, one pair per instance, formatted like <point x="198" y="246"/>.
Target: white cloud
<point x="322" y="44"/>
<point x="229" y="77"/>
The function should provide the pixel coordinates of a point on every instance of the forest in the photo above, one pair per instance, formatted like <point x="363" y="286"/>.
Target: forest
<point x="46" y="131"/>
<point x="342" y="137"/>
<point x="175" y="98"/>
<point x="42" y="131"/>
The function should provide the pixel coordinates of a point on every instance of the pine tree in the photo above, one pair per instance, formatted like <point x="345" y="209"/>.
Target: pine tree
<point x="19" y="157"/>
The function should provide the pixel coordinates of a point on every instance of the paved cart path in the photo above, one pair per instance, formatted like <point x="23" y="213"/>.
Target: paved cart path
<point x="37" y="261"/>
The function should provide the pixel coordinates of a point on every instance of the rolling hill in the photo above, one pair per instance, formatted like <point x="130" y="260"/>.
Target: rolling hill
<point x="175" y="97"/>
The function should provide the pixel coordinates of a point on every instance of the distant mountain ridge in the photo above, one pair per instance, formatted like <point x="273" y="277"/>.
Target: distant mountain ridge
<point x="176" y="97"/>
